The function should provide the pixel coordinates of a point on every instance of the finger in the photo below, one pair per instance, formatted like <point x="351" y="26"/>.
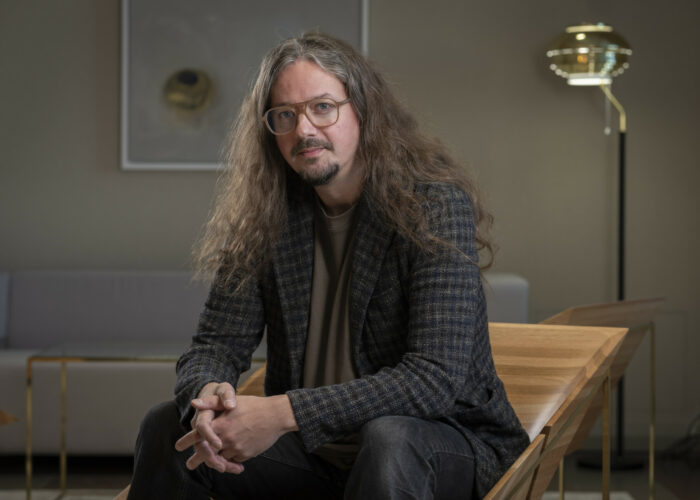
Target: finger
<point x="204" y="454"/>
<point x="230" y="465"/>
<point x="189" y="439"/>
<point x="195" y="460"/>
<point x="201" y="416"/>
<point x="204" y="428"/>
<point x="234" y="467"/>
<point x="211" y="402"/>
<point x="200" y="457"/>
<point x="202" y="423"/>
<point x="227" y="395"/>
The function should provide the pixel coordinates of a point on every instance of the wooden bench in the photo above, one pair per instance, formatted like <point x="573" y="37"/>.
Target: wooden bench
<point x="546" y="370"/>
<point x="551" y="374"/>
<point x="515" y="483"/>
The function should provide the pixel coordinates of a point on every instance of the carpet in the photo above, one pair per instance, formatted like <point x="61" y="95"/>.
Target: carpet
<point x="586" y="495"/>
<point x="52" y="494"/>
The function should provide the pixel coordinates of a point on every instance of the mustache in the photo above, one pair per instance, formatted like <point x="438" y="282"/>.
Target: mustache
<point x="311" y="143"/>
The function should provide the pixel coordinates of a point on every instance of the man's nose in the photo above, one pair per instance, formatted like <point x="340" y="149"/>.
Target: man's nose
<point x="304" y="126"/>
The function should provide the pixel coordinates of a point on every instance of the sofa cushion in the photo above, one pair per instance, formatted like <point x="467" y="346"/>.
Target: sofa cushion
<point x="51" y="307"/>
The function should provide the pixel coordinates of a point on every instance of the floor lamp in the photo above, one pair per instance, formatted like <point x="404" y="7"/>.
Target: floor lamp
<point x="593" y="54"/>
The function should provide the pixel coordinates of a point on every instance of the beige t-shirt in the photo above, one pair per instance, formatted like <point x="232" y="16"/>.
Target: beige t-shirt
<point x="328" y="357"/>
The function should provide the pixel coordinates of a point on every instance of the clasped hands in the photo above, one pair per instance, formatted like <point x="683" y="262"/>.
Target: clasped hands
<point x="227" y="429"/>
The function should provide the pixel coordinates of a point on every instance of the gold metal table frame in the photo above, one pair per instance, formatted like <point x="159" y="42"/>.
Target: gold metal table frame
<point x="94" y="352"/>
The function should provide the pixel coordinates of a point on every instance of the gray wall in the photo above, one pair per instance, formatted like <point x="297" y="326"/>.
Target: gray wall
<point x="64" y="201"/>
<point x="476" y="75"/>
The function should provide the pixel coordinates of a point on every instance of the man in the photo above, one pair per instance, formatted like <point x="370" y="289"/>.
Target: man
<point x="352" y="240"/>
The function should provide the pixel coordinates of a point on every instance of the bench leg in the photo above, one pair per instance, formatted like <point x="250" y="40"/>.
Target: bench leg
<point x="652" y="408"/>
<point x="606" y="437"/>
<point x="561" y="479"/>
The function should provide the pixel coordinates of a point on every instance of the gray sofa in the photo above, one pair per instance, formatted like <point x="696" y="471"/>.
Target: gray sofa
<point x="106" y="400"/>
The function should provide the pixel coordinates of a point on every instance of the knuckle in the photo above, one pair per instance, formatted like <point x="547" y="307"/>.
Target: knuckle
<point x="201" y="428"/>
<point x="205" y="454"/>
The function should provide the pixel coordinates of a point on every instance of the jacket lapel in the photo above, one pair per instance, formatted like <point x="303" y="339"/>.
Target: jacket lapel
<point x="293" y="266"/>
<point x="372" y="239"/>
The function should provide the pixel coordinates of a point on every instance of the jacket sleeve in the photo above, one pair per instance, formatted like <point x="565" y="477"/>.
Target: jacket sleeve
<point x="230" y="328"/>
<point x="443" y="295"/>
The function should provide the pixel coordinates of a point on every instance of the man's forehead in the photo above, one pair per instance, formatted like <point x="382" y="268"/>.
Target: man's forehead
<point x="303" y="80"/>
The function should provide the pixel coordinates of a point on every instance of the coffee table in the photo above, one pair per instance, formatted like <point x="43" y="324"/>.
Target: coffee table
<point x="89" y="352"/>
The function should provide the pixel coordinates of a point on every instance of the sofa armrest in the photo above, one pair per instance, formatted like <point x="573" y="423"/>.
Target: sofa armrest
<point x="507" y="297"/>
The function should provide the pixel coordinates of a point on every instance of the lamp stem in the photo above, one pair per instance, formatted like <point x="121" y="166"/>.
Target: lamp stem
<point x="623" y="116"/>
<point x="621" y="218"/>
<point x="621" y="182"/>
<point x="621" y="287"/>
<point x="620" y="258"/>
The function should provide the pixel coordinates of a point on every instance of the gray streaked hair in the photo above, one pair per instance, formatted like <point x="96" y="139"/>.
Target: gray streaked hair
<point x="251" y="205"/>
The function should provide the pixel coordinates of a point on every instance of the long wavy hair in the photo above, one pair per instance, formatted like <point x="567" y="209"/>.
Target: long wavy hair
<point x="251" y="205"/>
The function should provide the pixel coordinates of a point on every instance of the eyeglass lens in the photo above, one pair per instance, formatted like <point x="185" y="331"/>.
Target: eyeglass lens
<point x="320" y="112"/>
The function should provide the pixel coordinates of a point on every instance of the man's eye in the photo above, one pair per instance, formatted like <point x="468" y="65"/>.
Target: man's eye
<point x="322" y="107"/>
<point x="285" y="114"/>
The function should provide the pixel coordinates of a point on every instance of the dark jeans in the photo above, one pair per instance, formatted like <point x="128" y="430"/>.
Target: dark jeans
<point x="399" y="457"/>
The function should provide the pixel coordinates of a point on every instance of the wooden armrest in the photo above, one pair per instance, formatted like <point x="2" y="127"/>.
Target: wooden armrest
<point x="515" y="483"/>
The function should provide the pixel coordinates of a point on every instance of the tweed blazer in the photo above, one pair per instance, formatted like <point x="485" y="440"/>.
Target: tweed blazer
<point x="419" y="333"/>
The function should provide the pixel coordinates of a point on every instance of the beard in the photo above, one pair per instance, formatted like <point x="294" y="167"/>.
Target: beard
<point x="321" y="176"/>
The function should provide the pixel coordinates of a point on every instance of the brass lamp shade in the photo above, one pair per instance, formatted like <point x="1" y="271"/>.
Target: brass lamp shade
<point x="589" y="54"/>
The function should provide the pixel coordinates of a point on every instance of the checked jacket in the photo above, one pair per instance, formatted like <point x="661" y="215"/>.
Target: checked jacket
<point x="419" y="332"/>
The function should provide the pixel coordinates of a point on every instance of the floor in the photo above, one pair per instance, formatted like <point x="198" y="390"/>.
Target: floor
<point x="676" y="479"/>
<point x="83" y="472"/>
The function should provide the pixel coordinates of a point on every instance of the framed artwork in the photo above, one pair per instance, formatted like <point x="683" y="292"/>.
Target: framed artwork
<point x="186" y="67"/>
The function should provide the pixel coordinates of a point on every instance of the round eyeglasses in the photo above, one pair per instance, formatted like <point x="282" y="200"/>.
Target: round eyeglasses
<point x="321" y="112"/>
